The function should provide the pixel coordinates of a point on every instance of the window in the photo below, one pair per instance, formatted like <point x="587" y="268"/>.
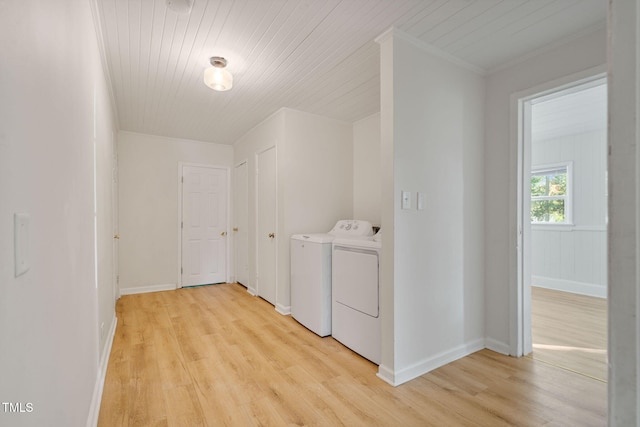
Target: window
<point x="551" y="194"/>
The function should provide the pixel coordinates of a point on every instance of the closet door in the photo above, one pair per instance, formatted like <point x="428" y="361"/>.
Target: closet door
<point x="241" y="225"/>
<point x="266" y="224"/>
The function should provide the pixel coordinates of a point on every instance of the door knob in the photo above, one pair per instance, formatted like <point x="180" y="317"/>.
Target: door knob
<point x="224" y="233"/>
<point x="272" y="235"/>
<point x="235" y="228"/>
<point x="116" y="236"/>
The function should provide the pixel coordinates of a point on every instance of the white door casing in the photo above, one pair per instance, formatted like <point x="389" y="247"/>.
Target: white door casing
<point x="241" y="227"/>
<point x="266" y="224"/>
<point x="203" y="225"/>
<point x="520" y="299"/>
<point x="525" y="343"/>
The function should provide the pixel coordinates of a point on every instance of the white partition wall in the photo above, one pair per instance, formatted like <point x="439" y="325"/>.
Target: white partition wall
<point x="624" y="216"/>
<point x="432" y="295"/>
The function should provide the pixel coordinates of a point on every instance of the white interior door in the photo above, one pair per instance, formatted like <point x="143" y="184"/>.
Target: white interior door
<point x="266" y="224"/>
<point x="241" y="228"/>
<point x="204" y="225"/>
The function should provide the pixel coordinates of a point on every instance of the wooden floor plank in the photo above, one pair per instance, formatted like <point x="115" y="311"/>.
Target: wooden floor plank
<point x="218" y="356"/>
<point x="570" y="331"/>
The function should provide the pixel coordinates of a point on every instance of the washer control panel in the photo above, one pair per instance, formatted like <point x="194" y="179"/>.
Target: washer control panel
<point x="352" y="228"/>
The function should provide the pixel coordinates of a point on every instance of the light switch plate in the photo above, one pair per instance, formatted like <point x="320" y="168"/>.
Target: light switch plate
<point x="21" y="242"/>
<point x="420" y="204"/>
<point x="406" y="200"/>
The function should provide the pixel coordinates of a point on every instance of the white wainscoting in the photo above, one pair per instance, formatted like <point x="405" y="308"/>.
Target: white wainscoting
<point x="570" y="260"/>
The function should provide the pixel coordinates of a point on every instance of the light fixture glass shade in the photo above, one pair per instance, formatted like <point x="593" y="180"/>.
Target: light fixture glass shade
<point x="218" y="79"/>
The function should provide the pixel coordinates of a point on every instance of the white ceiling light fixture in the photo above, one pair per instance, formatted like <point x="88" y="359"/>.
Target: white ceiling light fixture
<point x="183" y="7"/>
<point x="216" y="77"/>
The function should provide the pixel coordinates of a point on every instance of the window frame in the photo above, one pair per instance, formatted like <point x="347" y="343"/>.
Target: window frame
<point x="568" y="196"/>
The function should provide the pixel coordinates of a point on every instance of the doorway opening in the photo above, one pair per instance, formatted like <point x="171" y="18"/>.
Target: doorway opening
<point x="562" y="224"/>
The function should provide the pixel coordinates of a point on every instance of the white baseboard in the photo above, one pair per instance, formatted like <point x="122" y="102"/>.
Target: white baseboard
<point x="497" y="346"/>
<point x="252" y="291"/>
<point x="145" y="289"/>
<point x="96" y="399"/>
<point x="284" y="310"/>
<point x="582" y="288"/>
<point x="395" y="378"/>
<point x="386" y="375"/>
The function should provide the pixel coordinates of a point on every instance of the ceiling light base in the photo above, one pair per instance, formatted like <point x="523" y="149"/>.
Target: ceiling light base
<point x="183" y="7"/>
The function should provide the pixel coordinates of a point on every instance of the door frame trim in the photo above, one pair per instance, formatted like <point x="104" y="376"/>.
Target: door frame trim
<point x="181" y="166"/>
<point x="519" y="230"/>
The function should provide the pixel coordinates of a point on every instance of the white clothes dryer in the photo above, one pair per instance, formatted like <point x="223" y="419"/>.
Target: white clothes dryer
<point x="311" y="273"/>
<point x="355" y="314"/>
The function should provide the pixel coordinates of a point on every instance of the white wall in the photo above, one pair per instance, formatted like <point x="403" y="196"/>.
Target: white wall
<point x="315" y="166"/>
<point x="106" y="189"/>
<point x="315" y="176"/>
<point x="579" y="55"/>
<point x="432" y="263"/>
<point x="315" y="181"/>
<point x="573" y="258"/>
<point x="148" y="205"/>
<point x="51" y="81"/>
<point x="624" y="215"/>
<point x="366" y="169"/>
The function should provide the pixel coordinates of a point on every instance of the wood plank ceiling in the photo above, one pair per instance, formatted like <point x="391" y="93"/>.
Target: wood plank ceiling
<point x="312" y="55"/>
<point x="577" y="111"/>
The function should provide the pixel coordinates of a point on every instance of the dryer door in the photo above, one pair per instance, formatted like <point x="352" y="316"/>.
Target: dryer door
<point x="355" y="279"/>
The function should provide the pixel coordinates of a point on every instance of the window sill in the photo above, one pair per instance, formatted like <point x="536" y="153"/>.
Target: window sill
<point x="567" y="227"/>
<point x="553" y="226"/>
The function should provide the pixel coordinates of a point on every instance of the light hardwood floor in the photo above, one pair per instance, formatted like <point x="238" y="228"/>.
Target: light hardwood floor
<point x="217" y="356"/>
<point x="570" y="331"/>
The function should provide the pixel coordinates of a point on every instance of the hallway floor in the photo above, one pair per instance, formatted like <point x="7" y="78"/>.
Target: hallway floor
<point x="216" y="355"/>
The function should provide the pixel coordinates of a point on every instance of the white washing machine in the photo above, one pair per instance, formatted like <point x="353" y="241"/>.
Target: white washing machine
<point x="311" y="273"/>
<point x="356" y="295"/>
